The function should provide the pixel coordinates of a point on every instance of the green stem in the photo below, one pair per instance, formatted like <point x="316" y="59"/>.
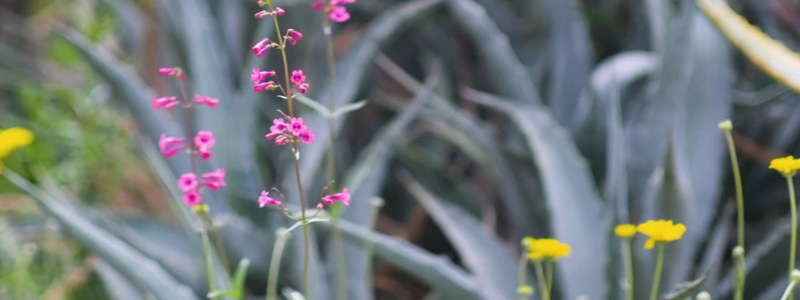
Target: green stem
<point x="548" y="269"/>
<point x="369" y="246"/>
<point x="209" y="262"/>
<point x="787" y="294"/>
<point x="628" y="259"/>
<point x="275" y="265"/>
<point x="793" y="206"/>
<point x="521" y="272"/>
<point x="537" y="264"/>
<point x="659" y="268"/>
<point x="737" y="180"/>
<point x="341" y="260"/>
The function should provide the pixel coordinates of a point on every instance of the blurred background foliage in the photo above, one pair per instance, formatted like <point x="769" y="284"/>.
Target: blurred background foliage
<point x="632" y="88"/>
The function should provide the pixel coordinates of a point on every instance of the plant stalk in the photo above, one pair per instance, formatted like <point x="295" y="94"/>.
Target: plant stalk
<point x="737" y="179"/>
<point x="659" y="268"/>
<point x="628" y="259"/>
<point x="275" y="264"/>
<point x="793" y="245"/>
<point x="537" y="264"/>
<point x="548" y="269"/>
<point x="209" y="262"/>
<point x="521" y="270"/>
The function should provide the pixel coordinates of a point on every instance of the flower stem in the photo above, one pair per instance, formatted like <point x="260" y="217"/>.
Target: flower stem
<point x="793" y="242"/>
<point x="209" y="262"/>
<point x="548" y="269"/>
<point x="369" y="247"/>
<point x="287" y="88"/>
<point x="304" y="220"/>
<point x="787" y="294"/>
<point x="275" y="264"/>
<point x="737" y="180"/>
<point x="659" y="268"/>
<point x="628" y="259"/>
<point x="537" y="264"/>
<point x="521" y="272"/>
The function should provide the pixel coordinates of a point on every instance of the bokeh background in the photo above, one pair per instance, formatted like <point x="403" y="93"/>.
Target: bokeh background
<point x="485" y="121"/>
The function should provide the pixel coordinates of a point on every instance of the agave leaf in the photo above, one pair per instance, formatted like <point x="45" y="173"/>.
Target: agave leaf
<point x="437" y="272"/>
<point x="715" y="254"/>
<point x="685" y="290"/>
<point x="119" y="287"/>
<point x="771" y="56"/>
<point x="312" y="104"/>
<point x="577" y="217"/>
<point x="508" y="73"/>
<point x="348" y="108"/>
<point x="129" y="262"/>
<point x="482" y="251"/>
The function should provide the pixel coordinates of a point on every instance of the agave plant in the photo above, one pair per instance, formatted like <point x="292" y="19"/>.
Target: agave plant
<point x="513" y="129"/>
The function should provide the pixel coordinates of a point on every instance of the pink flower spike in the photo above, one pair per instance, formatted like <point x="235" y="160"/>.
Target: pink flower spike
<point x="169" y="146"/>
<point x="187" y="182"/>
<point x="307" y="136"/>
<point x="278" y="11"/>
<point x="339" y="14"/>
<point x="192" y="198"/>
<point x="317" y="5"/>
<point x="214" y="180"/>
<point x="294" y="36"/>
<point x="297" y="77"/>
<point x="204" y="139"/>
<point x="343" y="197"/>
<point x="303" y="88"/>
<point x="165" y="102"/>
<point x="261" y="14"/>
<point x="296" y="126"/>
<point x="265" y="200"/>
<point x="204" y="100"/>
<point x="261" y="47"/>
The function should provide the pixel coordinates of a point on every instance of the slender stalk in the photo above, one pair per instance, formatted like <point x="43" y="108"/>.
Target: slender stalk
<point x="537" y="264"/>
<point x="737" y="179"/>
<point x="275" y="264"/>
<point x="628" y="260"/>
<point x="793" y="245"/>
<point x="209" y="262"/>
<point x="216" y="235"/>
<point x="659" y="268"/>
<point x="787" y="294"/>
<point x="521" y="270"/>
<point x="548" y="269"/>
<point x="369" y="246"/>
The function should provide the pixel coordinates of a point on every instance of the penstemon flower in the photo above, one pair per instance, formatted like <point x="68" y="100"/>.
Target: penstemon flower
<point x="187" y="182"/>
<point x="169" y="146"/>
<point x="214" y="180"/>
<point x="336" y="10"/>
<point x="207" y="101"/>
<point x="265" y="200"/>
<point x="343" y="197"/>
<point x="165" y="102"/>
<point x="293" y="36"/>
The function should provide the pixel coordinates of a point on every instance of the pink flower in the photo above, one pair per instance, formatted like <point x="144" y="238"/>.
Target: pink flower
<point x="172" y="72"/>
<point x="205" y="153"/>
<point x="205" y="139"/>
<point x="307" y="136"/>
<point x="214" y="180"/>
<point x="205" y="100"/>
<point x="261" y="14"/>
<point x="257" y="76"/>
<point x="296" y="126"/>
<point x="342" y="2"/>
<point x="165" y="102"/>
<point x="187" y="182"/>
<point x="169" y="145"/>
<point x="278" y="11"/>
<point x="261" y="47"/>
<point x="303" y="88"/>
<point x="317" y="5"/>
<point x="293" y="36"/>
<point x="192" y="198"/>
<point x="278" y="125"/>
<point x="319" y="206"/>
<point x="339" y="14"/>
<point x="297" y="77"/>
<point x="265" y="200"/>
<point x="343" y="197"/>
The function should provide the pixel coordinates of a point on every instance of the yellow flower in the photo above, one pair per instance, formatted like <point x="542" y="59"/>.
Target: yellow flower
<point x="525" y="290"/>
<point x="662" y="231"/>
<point x="625" y="231"/>
<point x="14" y="138"/>
<point x="551" y="249"/>
<point x="785" y="165"/>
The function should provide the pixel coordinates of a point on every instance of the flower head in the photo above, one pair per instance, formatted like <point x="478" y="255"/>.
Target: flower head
<point x="14" y="138"/>
<point x="214" y="180"/>
<point x="525" y="290"/>
<point x="293" y="36"/>
<point x="177" y="72"/>
<point x="169" y="146"/>
<point x="787" y="166"/>
<point x="165" y="102"/>
<point x="625" y="231"/>
<point x="261" y="47"/>
<point x="339" y="14"/>
<point x="265" y="200"/>
<point x="192" y="198"/>
<point x="550" y="249"/>
<point x="187" y="182"/>
<point x="296" y="126"/>
<point x="205" y="100"/>
<point x="662" y="231"/>
<point x="297" y="77"/>
<point x="307" y="136"/>
<point x="343" y="197"/>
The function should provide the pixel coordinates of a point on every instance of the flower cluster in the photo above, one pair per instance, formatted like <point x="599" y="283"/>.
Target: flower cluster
<point x="657" y="231"/>
<point x="12" y="139"/>
<point x="202" y="143"/>
<point x="545" y="249"/>
<point x="293" y="131"/>
<point x="336" y="10"/>
<point x="787" y="166"/>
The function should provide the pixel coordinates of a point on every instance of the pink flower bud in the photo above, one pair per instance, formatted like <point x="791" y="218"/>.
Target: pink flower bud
<point x="319" y="206"/>
<point x="303" y="88"/>
<point x="317" y="5"/>
<point x="261" y="47"/>
<point x="265" y="200"/>
<point x="293" y="36"/>
<point x="165" y="102"/>
<point x="204" y="100"/>
<point x="261" y="14"/>
<point x="169" y="146"/>
<point x="339" y="14"/>
<point x="214" y="180"/>
<point x="343" y="197"/>
<point x="278" y="11"/>
<point x="187" y="182"/>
